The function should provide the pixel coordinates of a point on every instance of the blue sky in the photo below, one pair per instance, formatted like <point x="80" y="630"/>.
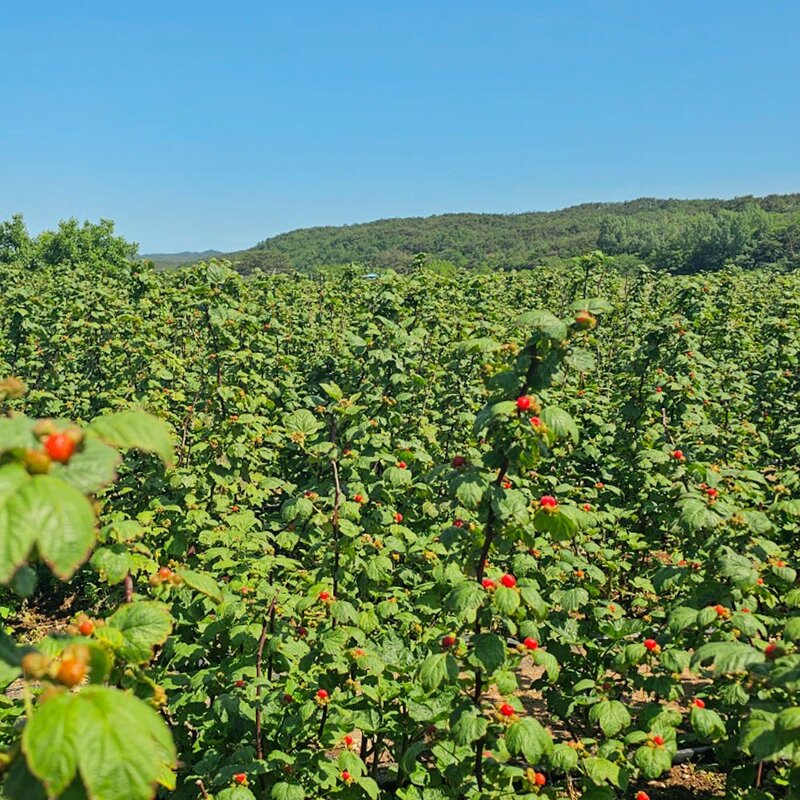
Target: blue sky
<point x="217" y="124"/>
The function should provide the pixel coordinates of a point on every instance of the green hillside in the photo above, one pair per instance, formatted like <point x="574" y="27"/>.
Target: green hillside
<point x="680" y="235"/>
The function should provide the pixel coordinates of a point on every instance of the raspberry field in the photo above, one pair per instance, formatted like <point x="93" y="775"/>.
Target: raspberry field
<point x="427" y="537"/>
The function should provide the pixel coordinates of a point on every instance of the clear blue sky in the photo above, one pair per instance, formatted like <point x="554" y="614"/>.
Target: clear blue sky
<point x="216" y="124"/>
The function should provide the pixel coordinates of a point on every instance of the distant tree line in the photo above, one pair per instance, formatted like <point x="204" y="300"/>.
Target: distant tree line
<point x="678" y="235"/>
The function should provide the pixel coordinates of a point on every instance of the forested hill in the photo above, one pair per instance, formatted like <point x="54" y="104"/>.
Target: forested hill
<point x="680" y="235"/>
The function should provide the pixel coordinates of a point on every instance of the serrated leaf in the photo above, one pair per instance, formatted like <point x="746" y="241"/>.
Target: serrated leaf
<point x="120" y="746"/>
<point x="489" y="650"/>
<point x="49" y="513"/>
<point x="201" y="582"/>
<point x="136" y="430"/>
<point x="143" y="626"/>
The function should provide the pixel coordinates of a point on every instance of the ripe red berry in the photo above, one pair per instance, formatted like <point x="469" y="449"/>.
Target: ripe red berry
<point x="401" y="465"/>
<point x="398" y="517"/>
<point x="531" y="643"/>
<point x="599" y="485"/>
<point x="587" y="507"/>
<point x="165" y="573"/>
<point x="712" y="493"/>
<point x="523" y="403"/>
<point x="658" y="740"/>
<point x="240" y="684"/>
<point x="448" y="641"/>
<point x="322" y="694"/>
<point x="721" y="611"/>
<point x="651" y="644"/>
<point x="359" y="498"/>
<point x="642" y="796"/>
<point x="539" y="779"/>
<point x="507" y="710"/>
<point x="678" y="455"/>
<point x="536" y="422"/>
<point x="458" y="523"/>
<point x="324" y="596"/>
<point x="699" y="702"/>
<point x="488" y="583"/>
<point x="458" y="462"/>
<point x="86" y="627"/>
<point x="348" y="740"/>
<point x="59" y="446"/>
<point x="345" y="776"/>
<point x="771" y="650"/>
<point x="240" y="778"/>
<point x="508" y="580"/>
<point x="506" y="484"/>
<point x="548" y="502"/>
<point x="658" y="390"/>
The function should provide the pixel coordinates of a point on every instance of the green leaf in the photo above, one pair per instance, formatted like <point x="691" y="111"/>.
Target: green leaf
<point x="727" y="657"/>
<point x="397" y="477"/>
<point x="201" y="582"/>
<point x="652" y="761"/>
<point x="112" y="562"/>
<point x="564" y="758"/>
<point x="601" y="770"/>
<point x="550" y="663"/>
<point x="332" y="390"/>
<point x="682" y="618"/>
<point x="301" y="422"/>
<point x="236" y="793"/>
<point x="17" y="433"/>
<point x="560" y="423"/>
<point x="90" y="468"/>
<point x="465" y="597"/>
<point x="51" y="514"/>
<point x="370" y="787"/>
<point x="707" y="724"/>
<point x="470" y="489"/>
<point x="611" y="716"/>
<point x="136" y="430"/>
<point x="506" y="600"/>
<point x="120" y="746"/>
<point x="469" y="727"/>
<point x="558" y="523"/>
<point x="550" y="325"/>
<point x="528" y="738"/>
<point x="437" y="669"/>
<point x="143" y="626"/>
<point x="489" y="650"/>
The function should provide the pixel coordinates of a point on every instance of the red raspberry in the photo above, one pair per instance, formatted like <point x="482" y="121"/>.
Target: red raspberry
<point x="651" y="644"/>
<point x="507" y="710"/>
<point x="699" y="702"/>
<point x="448" y="641"/>
<point x="508" y="580"/>
<point x="548" y="502"/>
<point x="523" y="403"/>
<point x="531" y="643"/>
<point x="60" y="447"/>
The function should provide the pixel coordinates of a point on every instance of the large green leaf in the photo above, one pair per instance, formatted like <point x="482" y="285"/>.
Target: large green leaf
<point x="143" y="626"/>
<point x="118" y="746"/>
<point x="136" y="430"/>
<point x="90" y="468"/>
<point x="51" y="514"/>
<point x="528" y="738"/>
